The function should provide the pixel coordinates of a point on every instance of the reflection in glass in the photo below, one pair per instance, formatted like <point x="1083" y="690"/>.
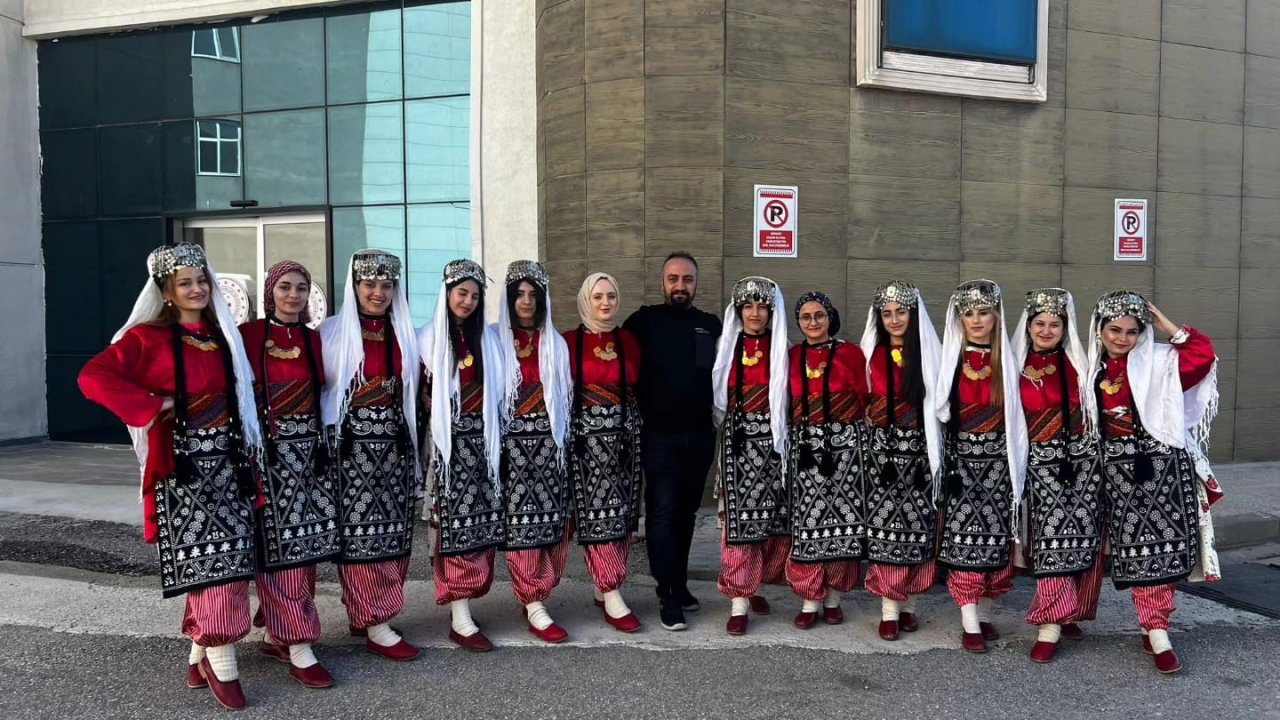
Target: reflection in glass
<point x="283" y="163"/>
<point x="367" y="227"/>
<point x="218" y="147"/>
<point x="217" y="43"/>
<point x="437" y="234"/>
<point x="363" y="62"/>
<point x="438" y="147"/>
<point x="437" y="49"/>
<point x="283" y="64"/>
<point x="366" y="154"/>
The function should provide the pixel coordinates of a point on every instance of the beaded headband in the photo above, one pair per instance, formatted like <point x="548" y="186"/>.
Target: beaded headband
<point x="754" y="289"/>
<point x="975" y="294"/>
<point x="375" y="265"/>
<point x="899" y="291"/>
<point x="168" y="259"/>
<point x="1119" y="303"/>
<point x="1047" y="300"/>
<point x="463" y="269"/>
<point x="527" y="270"/>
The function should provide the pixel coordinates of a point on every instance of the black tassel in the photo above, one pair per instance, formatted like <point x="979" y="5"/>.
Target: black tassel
<point x="888" y="473"/>
<point x="1143" y="470"/>
<point x="828" y="465"/>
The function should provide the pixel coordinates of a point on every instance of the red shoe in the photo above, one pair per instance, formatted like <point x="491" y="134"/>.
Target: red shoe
<point x="600" y="604"/>
<point x="475" y="642"/>
<point x="194" y="678"/>
<point x="973" y="642"/>
<point x="737" y="625"/>
<point x="400" y="652"/>
<point x="907" y="622"/>
<point x="277" y="652"/>
<point x="989" y="631"/>
<point x="1042" y="652"/>
<point x="553" y="633"/>
<point x="832" y="616"/>
<point x="1146" y="646"/>
<point x="889" y="630"/>
<point x="228" y="694"/>
<point x="314" y="677"/>
<point x="628" y="623"/>
<point x="805" y="620"/>
<point x="1072" y="631"/>
<point x="759" y="605"/>
<point x="1168" y="663"/>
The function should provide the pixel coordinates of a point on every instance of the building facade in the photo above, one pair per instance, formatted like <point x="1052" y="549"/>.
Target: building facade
<point x="604" y="134"/>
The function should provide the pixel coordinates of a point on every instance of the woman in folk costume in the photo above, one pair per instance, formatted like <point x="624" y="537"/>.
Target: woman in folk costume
<point x="298" y="521"/>
<point x="1155" y="403"/>
<point x="904" y="453"/>
<point x="177" y="375"/>
<point x="1064" y="474"/>
<point x="371" y="381"/>
<point x="605" y="461"/>
<point x="534" y="470"/>
<point x="750" y="399"/>
<point x="977" y="401"/>
<point x="828" y="379"/>
<point x="463" y="392"/>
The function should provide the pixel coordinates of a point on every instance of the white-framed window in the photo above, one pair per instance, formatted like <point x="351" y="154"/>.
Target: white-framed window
<point x="216" y="43"/>
<point x="218" y="147"/>
<point x="995" y="49"/>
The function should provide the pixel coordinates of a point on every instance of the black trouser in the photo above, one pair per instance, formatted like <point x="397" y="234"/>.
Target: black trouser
<point x="675" y="471"/>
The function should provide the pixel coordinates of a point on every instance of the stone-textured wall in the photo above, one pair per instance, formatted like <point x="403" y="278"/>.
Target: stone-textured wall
<point x="22" y="409"/>
<point x="656" y="117"/>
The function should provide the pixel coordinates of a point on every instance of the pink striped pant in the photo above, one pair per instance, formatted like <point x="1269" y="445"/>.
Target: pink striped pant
<point x="968" y="587"/>
<point x="373" y="593"/>
<point x="536" y="571"/>
<point x="744" y="568"/>
<point x="899" y="582"/>
<point x="217" y="615"/>
<point x="287" y="605"/>
<point x="1060" y="600"/>
<point x="810" y="580"/>
<point x="607" y="563"/>
<point x="465" y="576"/>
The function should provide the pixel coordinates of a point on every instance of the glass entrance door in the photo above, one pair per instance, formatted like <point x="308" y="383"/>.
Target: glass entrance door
<point x="241" y="249"/>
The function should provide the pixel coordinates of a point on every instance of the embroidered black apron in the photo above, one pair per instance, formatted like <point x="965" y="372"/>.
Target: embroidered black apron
<point x="1064" y="479"/>
<point x="534" y="476"/>
<point x="977" y="493"/>
<point x="469" y="507"/>
<point x="375" y="476"/>
<point x="751" y="482"/>
<point x="606" y="470"/>
<point x="299" y="522"/>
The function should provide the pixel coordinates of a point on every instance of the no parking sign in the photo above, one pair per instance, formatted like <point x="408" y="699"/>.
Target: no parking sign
<point x="1131" y="230"/>
<point x="775" y="225"/>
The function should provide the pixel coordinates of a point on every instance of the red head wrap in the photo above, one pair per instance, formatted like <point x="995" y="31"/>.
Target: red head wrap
<point x="274" y="274"/>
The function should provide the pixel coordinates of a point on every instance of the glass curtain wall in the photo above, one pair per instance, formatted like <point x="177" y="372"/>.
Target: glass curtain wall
<point x="361" y="112"/>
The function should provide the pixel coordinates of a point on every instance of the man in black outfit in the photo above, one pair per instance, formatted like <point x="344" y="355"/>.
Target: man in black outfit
<point x="678" y="344"/>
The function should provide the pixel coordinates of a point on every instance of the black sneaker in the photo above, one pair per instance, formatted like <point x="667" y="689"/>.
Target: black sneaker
<point x="688" y="602"/>
<point x="672" y="614"/>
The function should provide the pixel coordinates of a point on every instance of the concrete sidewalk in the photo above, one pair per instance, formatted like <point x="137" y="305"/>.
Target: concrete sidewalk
<point x="100" y="482"/>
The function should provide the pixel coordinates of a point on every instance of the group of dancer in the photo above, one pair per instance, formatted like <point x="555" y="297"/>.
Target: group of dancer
<point x="270" y="448"/>
<point x="972" y="456"/>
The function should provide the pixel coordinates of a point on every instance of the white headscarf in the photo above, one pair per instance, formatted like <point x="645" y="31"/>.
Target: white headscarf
<point x="344" y="358"/>
<point x="446" y="387"/>
<point x="147" y="308"/>
<point x="1015" y="425"/>
<point x="930" y="360"/>
<point x="1176" y="418"/>
<point x="589" y="320"/>
<point x="779" y="373"/>
<point x="1075" y="353"/>
<point x="553" y="366"/>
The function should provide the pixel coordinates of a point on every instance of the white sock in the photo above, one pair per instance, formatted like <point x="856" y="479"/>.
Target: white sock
<point x="969" y="618"/>
<point x="984" y="609"/>
<point x="197" y="654"/>
<point x="599" y="596"/>
<point x="833" y="598"/>
<point x="909" y="605"/>
<point x="223" y="661"/>
<point x="1159" y="641"/>
<point x="740" y="606"/>
<point x="1049" y="633"/>
<point x="538" y="615"/>
<point x="888" y="609"/>
<point x="300" y="655"/>
<point x="614" y="605"/>
<point x="811" y="606"/>
<point x="382" y="634"/>
<point x="462" y="622"/>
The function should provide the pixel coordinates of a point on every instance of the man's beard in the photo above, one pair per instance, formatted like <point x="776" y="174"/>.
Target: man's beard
<point x="680" y="299"/>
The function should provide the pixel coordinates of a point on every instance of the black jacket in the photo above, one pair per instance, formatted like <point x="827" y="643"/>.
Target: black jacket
<point x="678" y="349"/>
